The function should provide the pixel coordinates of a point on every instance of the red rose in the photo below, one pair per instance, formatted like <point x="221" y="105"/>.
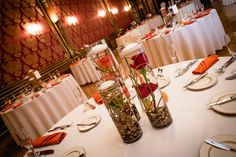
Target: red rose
<point x="144" y="91"/>
<point x="139" y="61"/>
<point x="105" y="62"/>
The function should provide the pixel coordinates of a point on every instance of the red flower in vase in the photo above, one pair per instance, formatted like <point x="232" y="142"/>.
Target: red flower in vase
<point x="144" y="91"/>
<point x="105" y="62"/>
<point x="139" y="61"/>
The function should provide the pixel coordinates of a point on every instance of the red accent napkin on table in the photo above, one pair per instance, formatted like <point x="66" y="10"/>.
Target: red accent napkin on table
<point x="7" y="107"/>
<point x="97" y="97"/>
<point x="167" y="31"/>
<point x="47" y="140"/>
<point x="18" y="104"/>
<point x="187" y="22"/>
<point x="206" y="64"/>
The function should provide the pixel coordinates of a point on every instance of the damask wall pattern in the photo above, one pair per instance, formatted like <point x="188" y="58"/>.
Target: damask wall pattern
<point x="20" y="51"/>
<point x="90" y="27"/>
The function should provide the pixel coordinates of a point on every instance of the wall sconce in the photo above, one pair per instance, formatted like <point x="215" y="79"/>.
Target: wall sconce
<point x="33" y="28"/>
<point x="52" y="15"/>
<point x="126" y="8"/>
<point x="114" y="10"/>
<point x="101" y="13"/>
<point x="72" y="20"/>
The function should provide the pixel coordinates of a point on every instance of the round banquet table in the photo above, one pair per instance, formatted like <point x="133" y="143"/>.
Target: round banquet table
<point x="132" y="36"/>
<point x="84" y="71"/>
<point x="192" y="123"/>
<point x="38" y="115"/>
<point x="197" y="40"/>
<point x="228" y="2"/>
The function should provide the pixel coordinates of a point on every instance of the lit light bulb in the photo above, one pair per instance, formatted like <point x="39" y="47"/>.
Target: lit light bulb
<point x="126" y="8"/>
<point x="114" y="10"/>
<point x="72" y="20"/>
<point x="33" y="28"/>
<point x="101" y="13"/>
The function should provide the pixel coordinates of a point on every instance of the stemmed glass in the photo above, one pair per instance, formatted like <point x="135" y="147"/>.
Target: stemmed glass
<point x="230" y="43"/>
<point x="202" y="7"/>
<point x="173" y="57"/>
<point x="26" y="141"/>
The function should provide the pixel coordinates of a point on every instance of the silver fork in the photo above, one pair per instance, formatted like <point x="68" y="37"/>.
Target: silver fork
<point x="228" y="63"/>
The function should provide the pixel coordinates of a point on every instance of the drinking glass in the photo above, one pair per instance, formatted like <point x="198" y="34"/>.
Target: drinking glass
<point x="26" y="141"/>
<point x="202" y="7"/>
<point x="230" y="42"/>
<point x="173" y="57"/>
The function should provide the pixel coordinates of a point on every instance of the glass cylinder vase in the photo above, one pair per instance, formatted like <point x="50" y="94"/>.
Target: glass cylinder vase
<point x="146" y="86"/>
<point x="106" y="63"/>
<point x="120" y="111"/>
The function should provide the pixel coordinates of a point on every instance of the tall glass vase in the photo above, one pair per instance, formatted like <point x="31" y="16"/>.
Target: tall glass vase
<point x="106" y="63"/>
<point x="150" y="95"/>
<point x="120" y="111"/>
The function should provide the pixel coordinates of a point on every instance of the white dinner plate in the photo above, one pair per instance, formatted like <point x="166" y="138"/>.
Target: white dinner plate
<point x="93" y="119"/>
<point x="207" y="150"/>
<point x="75" y="152"/>
<point x="163" y="82"/>
<point x="206" y="82"/>
<point x="225" y="108"/>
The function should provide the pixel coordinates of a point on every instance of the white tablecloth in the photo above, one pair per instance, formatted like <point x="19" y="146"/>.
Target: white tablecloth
<point x="197" y="40"/>
<point x="84" y="71"/>
<point x="40" y="114"/>
<point x="186" y="10"/>
<point x="192" y="123"/>
<point x="154" y="22"/>
<point x="228" y="2"/>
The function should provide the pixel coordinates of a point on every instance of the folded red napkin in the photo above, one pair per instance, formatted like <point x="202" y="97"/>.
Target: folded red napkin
<point x="18" y="104"/>
<point x="187" y="22"/>
<point x="206" y="64"/>
<point x="55" y="83"/>
<point x="167" y="31"/>
<point x="47" y="140"/>
<point x="64" y="76"/>
<point x="165" y="96"/>
<point x="97" y="97"/>
<point x="201" y="15"/>
<point x="7" y="107"/>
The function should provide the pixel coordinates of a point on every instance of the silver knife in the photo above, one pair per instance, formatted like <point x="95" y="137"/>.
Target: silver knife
<point x="228" y="63"/>
<point x="222" y="101"/>
<point x="195" y="80"/>
<point x="186" y="68"/>
<point x="60" y="127"/>
<point x="219" y="145"/>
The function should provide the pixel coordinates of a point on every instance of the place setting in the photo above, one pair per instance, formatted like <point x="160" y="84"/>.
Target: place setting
<point x="224" y="103"/>
<point x="219" y="146"/>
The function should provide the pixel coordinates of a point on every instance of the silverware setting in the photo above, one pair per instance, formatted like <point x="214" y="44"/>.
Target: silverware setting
<point x="228" y="63"/>
<point x="195" y="80"/>
<point x="60" y="127"/>
<point x="219" y="145"/>
<point x="86" y="124"/>
<point x="184" y="70"/>
<point x="231" y="77"/>
<point x="222" y="101"/>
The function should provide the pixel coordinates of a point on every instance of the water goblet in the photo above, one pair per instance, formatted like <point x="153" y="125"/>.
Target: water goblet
<point x="202" y="7"/>
<point x="230" y="42"/>
<point x="26" y="141"/>
<point x="173" y="57"/>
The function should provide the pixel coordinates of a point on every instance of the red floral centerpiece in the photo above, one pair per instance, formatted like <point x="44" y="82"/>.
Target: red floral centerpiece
<point x="150" y="96"/>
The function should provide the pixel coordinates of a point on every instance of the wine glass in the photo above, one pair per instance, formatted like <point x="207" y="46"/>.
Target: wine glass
<point x="173" y="57"/>
<point x="230" y="42"/>
<point x="202" y="7"/>
<point x="26" y="141"/>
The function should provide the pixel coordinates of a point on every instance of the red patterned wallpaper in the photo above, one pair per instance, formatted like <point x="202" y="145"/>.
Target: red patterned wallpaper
<point x="20" y="51"/>
<point x="90" y="27"/>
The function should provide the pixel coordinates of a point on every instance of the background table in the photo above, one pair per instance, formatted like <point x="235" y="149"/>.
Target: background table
<point x="228" y="2"/>
<point x="186" y="10"/>
<point x="192" y="123"/>
<point x="197" y="40"/>
<point x="84" y="71"/>
<point x="40" y="114"/>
